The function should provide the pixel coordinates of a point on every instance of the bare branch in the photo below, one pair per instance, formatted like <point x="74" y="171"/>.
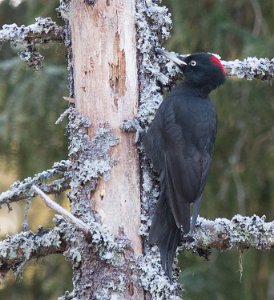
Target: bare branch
<point x="16" y="250"/>
<point x="69" y="99"/>
<point x="67" y="215"/>
<point x="22" y="189"/>
<point x="242" y="232"/>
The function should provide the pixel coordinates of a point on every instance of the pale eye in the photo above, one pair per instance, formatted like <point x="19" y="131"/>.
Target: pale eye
<point x="193" y="63"/>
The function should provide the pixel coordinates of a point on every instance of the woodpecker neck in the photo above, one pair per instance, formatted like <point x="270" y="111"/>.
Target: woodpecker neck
<point x="193" y="90"/>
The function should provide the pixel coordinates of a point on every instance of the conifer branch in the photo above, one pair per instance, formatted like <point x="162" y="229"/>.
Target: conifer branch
<point x="43" y="31"/>
<point x="60" y="210"/>
<point x="17" y="250"/>
<point x="251" y="68"/>
<point x="241" y="232"/>
<point x="23" y="189"/>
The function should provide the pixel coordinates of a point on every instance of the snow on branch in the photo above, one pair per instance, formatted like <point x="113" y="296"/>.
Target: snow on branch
<point x="17" y="250"/>
<point x="42" y="31"/>
<point x="23" y="189"/>
<point x="241" y="231"/>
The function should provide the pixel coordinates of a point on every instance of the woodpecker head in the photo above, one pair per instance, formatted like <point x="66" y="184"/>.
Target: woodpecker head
<point x="201" y="70"/>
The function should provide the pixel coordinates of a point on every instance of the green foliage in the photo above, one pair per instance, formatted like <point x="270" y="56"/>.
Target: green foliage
<point x="242" y="176"/>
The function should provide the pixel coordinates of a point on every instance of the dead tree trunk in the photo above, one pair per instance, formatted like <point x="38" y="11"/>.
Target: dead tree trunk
<point x="105" y="86"/>
<point x="105" y="91"/>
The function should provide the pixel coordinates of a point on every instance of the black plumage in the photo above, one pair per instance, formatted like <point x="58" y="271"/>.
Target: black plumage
<point x="179" y="143"/>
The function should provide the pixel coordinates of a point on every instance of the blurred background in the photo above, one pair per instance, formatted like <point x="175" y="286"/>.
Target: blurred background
<point x="242" y="175"/>
<point x="30" y="103"/>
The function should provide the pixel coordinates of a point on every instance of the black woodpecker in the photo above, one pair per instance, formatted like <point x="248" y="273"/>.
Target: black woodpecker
<point x="179" y="143"/>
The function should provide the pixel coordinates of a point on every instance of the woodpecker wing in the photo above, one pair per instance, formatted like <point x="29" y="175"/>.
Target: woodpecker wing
<point x="189" y="135"/>
<point x="183" y="183"/>
<point x="179" y="143"/>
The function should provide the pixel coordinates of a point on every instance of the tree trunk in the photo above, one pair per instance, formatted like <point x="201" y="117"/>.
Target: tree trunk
<point x="105" y="78"/>
<point x="105" y="90"/>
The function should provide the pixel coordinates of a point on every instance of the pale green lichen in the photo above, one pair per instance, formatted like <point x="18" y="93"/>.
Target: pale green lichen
<point x="17" y="250"/>
<point x="25" y="38"/>
<point x="153" y="26"/>
<point x="91" y="155"/>
<point x="251" y="67"/>
<point x="154" y="280"/>
<point x="23" y="189"/>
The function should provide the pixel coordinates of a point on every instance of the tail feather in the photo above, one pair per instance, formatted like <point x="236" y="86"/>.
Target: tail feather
<point x="165" y="233"/>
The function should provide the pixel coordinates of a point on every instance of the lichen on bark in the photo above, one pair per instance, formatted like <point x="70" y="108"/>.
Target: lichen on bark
<point x="26" y="38"/>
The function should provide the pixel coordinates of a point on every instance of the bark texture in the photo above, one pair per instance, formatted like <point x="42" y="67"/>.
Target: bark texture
<point x="105" y="78"/>
<point x="105" y="92"/>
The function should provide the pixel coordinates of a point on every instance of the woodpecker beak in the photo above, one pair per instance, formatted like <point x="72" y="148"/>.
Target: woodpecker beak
<point x="171" y="56"/>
